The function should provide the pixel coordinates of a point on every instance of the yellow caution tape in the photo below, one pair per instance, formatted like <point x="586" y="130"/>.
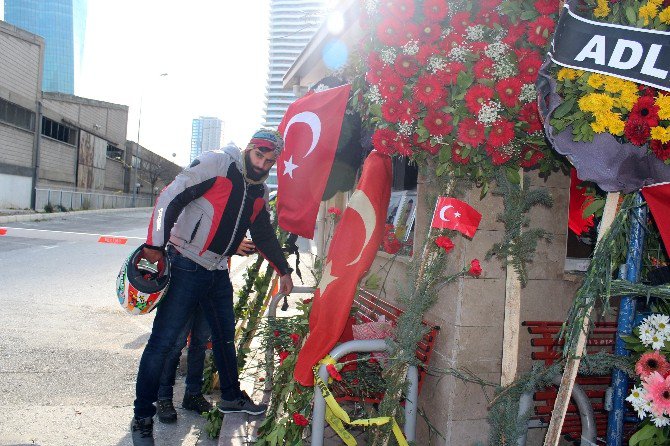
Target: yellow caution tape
<point x="337" y="417"/>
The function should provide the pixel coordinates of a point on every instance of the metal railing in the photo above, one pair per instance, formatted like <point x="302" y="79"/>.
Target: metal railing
<point x="83" y="200"/>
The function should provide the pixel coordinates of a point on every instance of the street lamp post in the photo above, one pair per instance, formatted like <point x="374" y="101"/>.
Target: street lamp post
<point x="134" y="162"/>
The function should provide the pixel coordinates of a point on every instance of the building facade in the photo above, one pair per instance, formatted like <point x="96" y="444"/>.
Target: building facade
<point x="62" y="25"/>
<point x="206" y="134"/>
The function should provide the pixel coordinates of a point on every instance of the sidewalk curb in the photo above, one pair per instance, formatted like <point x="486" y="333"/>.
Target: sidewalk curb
<point x="39" y="216"/>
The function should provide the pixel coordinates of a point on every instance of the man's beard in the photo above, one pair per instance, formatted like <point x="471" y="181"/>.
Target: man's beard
<point x="252" y="173"/>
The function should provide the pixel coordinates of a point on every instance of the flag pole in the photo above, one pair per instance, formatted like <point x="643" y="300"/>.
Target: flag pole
<point x="424" y="257"/>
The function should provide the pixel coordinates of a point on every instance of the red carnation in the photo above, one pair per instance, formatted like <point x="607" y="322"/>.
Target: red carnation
<point x="391" y="86"/>
<point x="546" y="7"/>
<point x="408" y="111"/>
<point x="497" y="157"/>
<point x="528" y="67"/>
<point x="401" y="9"/>
<point x="457" y="155"/>
<point x="426" y="146"/>
<point x="477" y="96"/>
<point x="392" y="110"/>
<point x="645" y="109"/>
<point x="391" y="244"/>
<point x="300" y="420"/>
<point x="332" y="371"/>
<point x="429" y="32"/>
<point x="449" y="74"/>
<point x="435" y="10"/>
<point x="530" y="156"/>
<point x="450" y="42"/>
<point x="428" y="89"/>
<point x="295" y="337"/>
<point x="661" y="150"/>
<point x="637" y="131"/>
<point x="445" y="243"/>
<point x="276" y="333"/>
<point x="471" y="132"/>
<point x="410" y="32"/>
<point x="282" y="356"/>
<point x="514" y="32"/>
<point x="530" y="115"/>
<point x="426" y="52"/>
<point x="403" y="146"/>
<point x="384" y="140"/>
<point x="460" y="22"/>
<point x="438" y="123"/>
<point x="502" y="132"/>
<point x="475" y="268"/>
<point x="307" y="301"/>
<point x="389" y="31"/>
<point x="334" y="211"/>
<point x="508" y="91"/>
<point x="540" y="30"/>
<point x="483" y="69"/>
<point x="406" y="66"/>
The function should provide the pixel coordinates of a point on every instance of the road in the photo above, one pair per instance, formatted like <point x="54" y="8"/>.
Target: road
<point x="68" y="351"/>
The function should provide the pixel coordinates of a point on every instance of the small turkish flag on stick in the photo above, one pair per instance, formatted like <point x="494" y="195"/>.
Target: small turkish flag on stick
<point x="658" y="200"/>
<point x="451" y="213"/>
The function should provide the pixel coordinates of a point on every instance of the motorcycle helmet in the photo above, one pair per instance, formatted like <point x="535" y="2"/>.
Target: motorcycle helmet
<point x="141" y="285"/>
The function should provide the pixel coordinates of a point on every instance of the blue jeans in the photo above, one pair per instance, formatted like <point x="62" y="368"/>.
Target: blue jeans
<point x="199" y="329"/>
<point x="190" y="285"/>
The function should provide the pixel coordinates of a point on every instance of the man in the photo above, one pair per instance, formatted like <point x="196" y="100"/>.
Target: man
<point x="204" y="214"/>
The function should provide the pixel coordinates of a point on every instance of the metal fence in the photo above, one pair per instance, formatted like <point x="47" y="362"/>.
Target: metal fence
<point x="82" y="200"/>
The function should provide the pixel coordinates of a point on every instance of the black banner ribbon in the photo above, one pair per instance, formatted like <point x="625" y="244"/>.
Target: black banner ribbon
<point x="634" y="54"/>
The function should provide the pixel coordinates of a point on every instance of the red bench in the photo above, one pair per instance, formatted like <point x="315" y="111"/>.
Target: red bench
<point x="601" y="338"/>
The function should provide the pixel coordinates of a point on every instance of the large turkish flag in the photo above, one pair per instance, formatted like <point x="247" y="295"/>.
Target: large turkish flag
<point x="658" y="200"/>
<point x="311" y="129"/>
<point x="352" y="250"/>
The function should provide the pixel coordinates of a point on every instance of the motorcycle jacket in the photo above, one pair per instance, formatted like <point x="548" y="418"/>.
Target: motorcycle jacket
<point x="208" y="208"/>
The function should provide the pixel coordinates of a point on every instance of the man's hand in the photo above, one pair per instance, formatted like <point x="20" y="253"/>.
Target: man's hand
<point x="285" y="284"/>
<point x="152" y="255"/>
<point x="246" y="247"/>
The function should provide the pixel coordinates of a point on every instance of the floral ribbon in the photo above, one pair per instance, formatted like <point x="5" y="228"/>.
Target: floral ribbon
<point x="337" y="417"/>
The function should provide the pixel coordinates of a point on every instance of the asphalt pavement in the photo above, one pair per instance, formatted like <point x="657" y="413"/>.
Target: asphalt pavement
<point x="68" y="352"/>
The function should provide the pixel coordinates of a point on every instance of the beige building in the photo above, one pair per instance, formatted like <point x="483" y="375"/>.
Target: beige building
<point x="480" y="319"/>
<point x="62" y="149"/>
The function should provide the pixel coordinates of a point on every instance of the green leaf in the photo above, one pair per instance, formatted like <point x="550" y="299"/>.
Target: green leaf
<point x="594" y="207"/>
<point x="564" y="108"/>
<point x="513" y="175"/>
<point x="630" y="15"/>
<point x="645" y="433"/>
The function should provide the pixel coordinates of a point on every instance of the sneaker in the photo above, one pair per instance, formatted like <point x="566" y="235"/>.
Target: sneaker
<point x="242" y="404"/>
<point x="165" y="411"/>
<point x="196" y="403"/>
<point x="142" y="431"/>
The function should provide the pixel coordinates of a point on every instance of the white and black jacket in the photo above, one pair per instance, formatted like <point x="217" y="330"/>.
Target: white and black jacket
<point x="208" y="208"/>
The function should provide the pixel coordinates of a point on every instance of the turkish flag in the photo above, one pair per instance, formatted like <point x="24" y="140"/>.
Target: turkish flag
<point x="350" y="254"/>
<point x="658" y="200"/>
<point x="311" y="129"/>
<point x="451" y="213"/>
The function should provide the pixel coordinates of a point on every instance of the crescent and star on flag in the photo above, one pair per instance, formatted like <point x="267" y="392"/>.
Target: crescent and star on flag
<point x="361" y="204"/>
<point x="444" y="210"/>
<point x="314" y="123"/>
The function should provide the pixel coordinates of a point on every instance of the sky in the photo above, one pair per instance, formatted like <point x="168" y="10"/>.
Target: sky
<point x="215" y="54"/>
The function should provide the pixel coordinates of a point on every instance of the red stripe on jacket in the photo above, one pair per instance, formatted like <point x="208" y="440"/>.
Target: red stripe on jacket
<point x="218" y="196"/>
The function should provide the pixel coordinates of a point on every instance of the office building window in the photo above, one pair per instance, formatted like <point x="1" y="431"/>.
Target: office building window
<point x="114" y="152"/>
<point x="16" y="115"/>
<point x="61" y="132"/>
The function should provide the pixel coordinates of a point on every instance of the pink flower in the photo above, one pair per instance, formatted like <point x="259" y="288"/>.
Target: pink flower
<point x="332" y="371"/>
<point x="652" y="362"/>
<point x="300" y="420"/>
<point x="658" y="392"/>
<point x="475" y="268"/>
<point x="334" y="211"/>
<point x="445" y="243"/>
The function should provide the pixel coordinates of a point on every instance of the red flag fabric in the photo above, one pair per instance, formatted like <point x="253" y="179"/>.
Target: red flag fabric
<point x="658" y="200"/>
<point x="578" y="202"/>
<point x="311" y="130"/>
<point x="350" y="254"/>
<point x="451" y="213"/>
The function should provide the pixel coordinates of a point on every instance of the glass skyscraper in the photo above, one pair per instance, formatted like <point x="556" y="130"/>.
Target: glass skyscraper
<point x="206" y="134"/>
<point x="62" y="24"/>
